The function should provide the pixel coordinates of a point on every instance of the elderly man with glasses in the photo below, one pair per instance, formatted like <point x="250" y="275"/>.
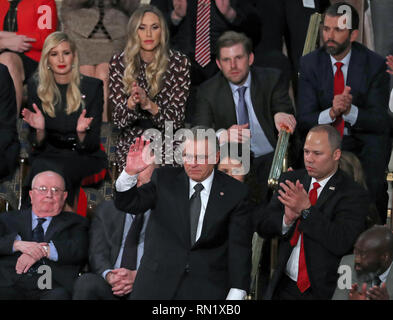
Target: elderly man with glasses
<point x="42" y="249"/>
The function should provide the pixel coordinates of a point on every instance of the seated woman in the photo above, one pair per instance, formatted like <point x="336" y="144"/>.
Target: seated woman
<point x="64" y="115"/>
<point x="98" y="28"/>
<point x="24" y="26"/>
<point x="148" y="83"/>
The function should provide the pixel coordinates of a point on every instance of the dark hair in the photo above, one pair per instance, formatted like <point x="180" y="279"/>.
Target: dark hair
<point x="333" y="135"/>
<point x="230" y="38"/>
<point x="340" y="8"/>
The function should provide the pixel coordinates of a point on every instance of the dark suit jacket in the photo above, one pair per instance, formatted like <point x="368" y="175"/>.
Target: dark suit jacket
<point x="9" y="141"/>
<point x="106" y="235"/>
<point x="329" y="232"/>
<point x="269" y="94"/>
<point x="369" y="84"/>
<point x="183" y="36"/>
<point x="218" y="261"/>
<point x="68" y="231"/>
<point x="348" y="261"/>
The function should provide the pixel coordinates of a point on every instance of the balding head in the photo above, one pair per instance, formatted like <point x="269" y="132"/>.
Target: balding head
<point x="373" y="252"/>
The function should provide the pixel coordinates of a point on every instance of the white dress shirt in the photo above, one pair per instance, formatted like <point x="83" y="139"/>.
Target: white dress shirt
<point x="292" y="268"/>
<point x="125" y="182"/>
<point x="352" y="116"/>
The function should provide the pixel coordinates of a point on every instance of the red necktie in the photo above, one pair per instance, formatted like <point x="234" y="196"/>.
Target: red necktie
<point x="303" y="282"/>
<point x="338" y="89"/>
<point x="202" y="45"/>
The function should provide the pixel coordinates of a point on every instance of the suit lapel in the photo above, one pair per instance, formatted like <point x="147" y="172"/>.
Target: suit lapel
<point x="356" y="72"/>
<point x="329" y="189"/>
<point x="226" y="100"/>
<point x="25" y="225"/>
<point x="182" y="187"/>
<point x="213" y="208"/>
<point x="120" y="219"/>
<point x="327" y="78"/>
<point x="54" y="225"/>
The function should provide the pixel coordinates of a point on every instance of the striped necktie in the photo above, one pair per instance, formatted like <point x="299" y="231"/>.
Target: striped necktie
<point x="202" y="45"/>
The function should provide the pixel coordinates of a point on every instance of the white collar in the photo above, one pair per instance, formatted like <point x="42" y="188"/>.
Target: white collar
<point x="344" y="60"/>
<point x="207" y="184"/>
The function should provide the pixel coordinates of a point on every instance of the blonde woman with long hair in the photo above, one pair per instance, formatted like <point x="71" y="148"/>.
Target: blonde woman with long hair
<point x="148" y="83"/>
<point x="64" y="115"/>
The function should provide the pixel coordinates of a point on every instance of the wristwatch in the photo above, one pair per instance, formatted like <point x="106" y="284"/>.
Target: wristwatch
<point x="305" y="213"/>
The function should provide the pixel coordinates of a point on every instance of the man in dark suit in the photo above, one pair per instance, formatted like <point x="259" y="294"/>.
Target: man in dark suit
<point x="346" y="85"/>
<point x="9" y="142"/>
<point x="265" y="98"/>
<point x="318" y="213"/>
<point x="110" y="277"/>
<point x="182" y="19"/>
<point x="43" y="239"/>
<point x="367" y="274"/>
<point x="199" y="241"/>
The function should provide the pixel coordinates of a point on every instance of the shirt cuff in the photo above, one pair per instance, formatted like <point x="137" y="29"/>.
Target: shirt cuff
<point x="125" y="182"/>
<point x="391" y="101"/>
<point x="324" y="117"/>
<point x="352" y="116"/>
<point x="17" y="238"/>
<point x="285" y="227"/>
<point x="236" y="294"/>
<point x="53" y="255"/>
<point x="105" y="273"/>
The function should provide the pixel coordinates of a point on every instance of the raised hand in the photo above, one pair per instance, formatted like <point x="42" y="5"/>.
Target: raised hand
<point x="139" y="157"/>
<point x="284" y="120"/>
<point x="224" y="6"/>
<point x="179" y="9"/>
<point x="83" y="123"/>
<point x="34" y="118"/>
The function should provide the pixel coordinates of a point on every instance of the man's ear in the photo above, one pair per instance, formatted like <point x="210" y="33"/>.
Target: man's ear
<point x="218" y="63"/>
<point x="354" y="35"/>
<point x="337" y="154"/>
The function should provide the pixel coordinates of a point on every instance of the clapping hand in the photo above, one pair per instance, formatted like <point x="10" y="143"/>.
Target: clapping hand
<point x="224" y="6"/>
<point x="354" y="294"/>
<point x="83" y="122"/>
<point x="294" y="196"/>
<point x="19" y="43"/>
<point x="139" y="157"/>
<point x="34" y="118"/>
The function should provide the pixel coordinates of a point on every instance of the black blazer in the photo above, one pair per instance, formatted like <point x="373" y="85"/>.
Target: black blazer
<point x="218" y="261"/>
<point x="329" y="232"/>
<point x="215" y="106"/>
<point x="68" y="231"/>
<point x="369" y="84"/>
<point x="106" y="234"/>
<point x="9" y="141"/>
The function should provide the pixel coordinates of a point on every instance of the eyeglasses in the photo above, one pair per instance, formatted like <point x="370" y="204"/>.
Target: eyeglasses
<point x="198" y="158"/>
<point x="44" y="190"/>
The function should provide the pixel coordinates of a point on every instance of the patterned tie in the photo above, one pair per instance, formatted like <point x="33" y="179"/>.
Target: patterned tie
<point x="303" y="282"/>
<point x="202" y="45"/>
<point x="242" y="107"/>
<point x="38" y="231"/>
<point x="130" y="252"/>
<point x="338" y="89"/>
<point x="195" y="210"/>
